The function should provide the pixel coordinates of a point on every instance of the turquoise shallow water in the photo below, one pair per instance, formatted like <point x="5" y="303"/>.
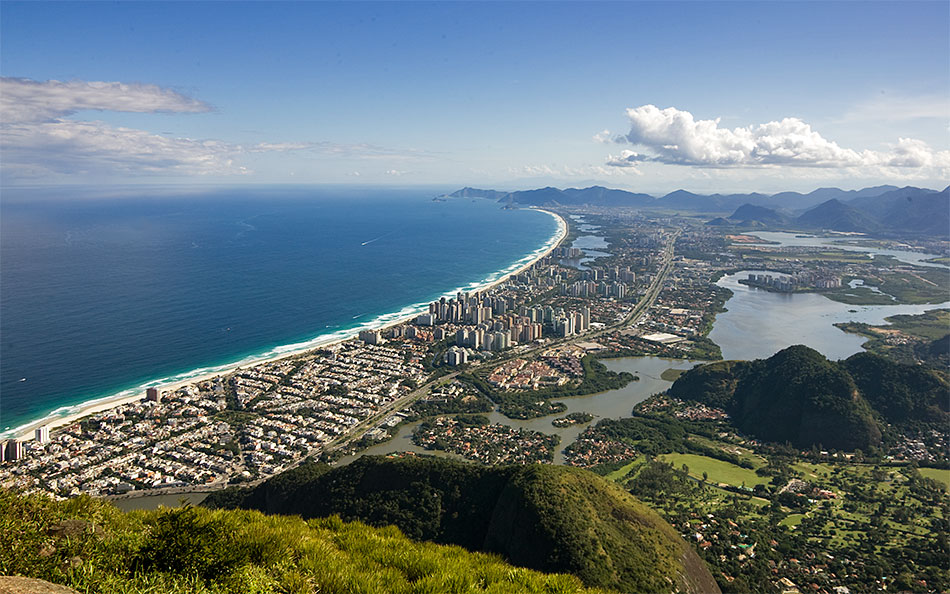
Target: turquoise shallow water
<point x="99" y="296"/>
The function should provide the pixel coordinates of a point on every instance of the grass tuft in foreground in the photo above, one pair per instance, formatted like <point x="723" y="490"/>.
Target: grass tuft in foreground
<point x="91" y="546"/>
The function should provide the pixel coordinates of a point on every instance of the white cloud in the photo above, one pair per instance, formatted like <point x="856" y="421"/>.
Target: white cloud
<point x="25" y="100"/>
<point x="673" y="136"/>
<point x="607" y="137"/>
<point x="38" y="138"/>
<point x="67" y="147"/>
<point x="567" y="172"/>
<point x="627" y="158"/>
<point x="264" y="147"/>
<point x="343" y="150"/>
<point x="916" y="153"/>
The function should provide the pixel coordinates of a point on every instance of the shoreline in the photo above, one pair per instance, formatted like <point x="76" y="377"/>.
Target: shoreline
<point x="73" y="413"/>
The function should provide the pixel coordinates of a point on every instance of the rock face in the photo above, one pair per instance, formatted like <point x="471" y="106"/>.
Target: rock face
<point x="24" y="585"/>
<point x="543" y="517"/>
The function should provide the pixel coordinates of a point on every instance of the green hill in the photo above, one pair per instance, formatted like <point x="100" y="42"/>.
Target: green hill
<point x="93" y="547"/>
<point x="548" y="518"/>
<point x="837" y="215"/>
<point x="799" y="396"/>
<point x="796" y="395"/>
<point x="902" y="394"/>
<point x="753" y="212"/>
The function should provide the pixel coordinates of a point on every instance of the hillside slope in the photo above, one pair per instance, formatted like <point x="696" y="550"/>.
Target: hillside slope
<point x="799" y="396"/>
<point x="548" y="518"/>
<point x="93" y="547"/>
<point x="839" y="216"/>
<point x="752" y="212"/>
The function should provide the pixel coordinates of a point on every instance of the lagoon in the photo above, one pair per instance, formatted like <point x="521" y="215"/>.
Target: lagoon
<point x="612" y="404"/>
<point x="784" y="239"/>
<point x="759" y="323"/>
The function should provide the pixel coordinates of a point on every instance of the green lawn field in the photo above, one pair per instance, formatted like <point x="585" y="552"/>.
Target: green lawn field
<point x="937" y="474"/>
<point x="717" y="470"/>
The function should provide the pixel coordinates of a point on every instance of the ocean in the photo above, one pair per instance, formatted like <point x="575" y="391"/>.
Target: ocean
<point x="102" y="296"/>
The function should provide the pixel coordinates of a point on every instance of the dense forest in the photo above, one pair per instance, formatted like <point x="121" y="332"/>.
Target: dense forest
<point x="799" y="396"/>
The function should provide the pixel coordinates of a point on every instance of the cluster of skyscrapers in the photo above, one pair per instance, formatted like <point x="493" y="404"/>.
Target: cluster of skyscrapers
<point x="465" y="308"/>
<point x="586" y="289"/>
<point x="795" y="282"/>
<point x="601" y="282"/>
<point x="526" y="326"/>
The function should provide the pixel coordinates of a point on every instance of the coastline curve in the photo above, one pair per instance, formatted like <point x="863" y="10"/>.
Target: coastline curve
<point x="66" y="415"/>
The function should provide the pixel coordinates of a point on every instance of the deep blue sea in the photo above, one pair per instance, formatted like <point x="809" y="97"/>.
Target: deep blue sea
<point x="103" y="295"/>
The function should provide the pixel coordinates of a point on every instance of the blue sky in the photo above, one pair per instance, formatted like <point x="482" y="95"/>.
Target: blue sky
<point x="647" y="96"/>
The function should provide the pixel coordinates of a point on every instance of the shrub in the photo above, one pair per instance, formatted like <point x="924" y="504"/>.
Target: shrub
<point x="188" y="541"/>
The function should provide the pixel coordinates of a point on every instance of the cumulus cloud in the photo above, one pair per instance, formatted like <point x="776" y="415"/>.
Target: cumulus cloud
<point x="916" y="153"/>
<point x="627" y="158"/>
<point x="672" y="136"/>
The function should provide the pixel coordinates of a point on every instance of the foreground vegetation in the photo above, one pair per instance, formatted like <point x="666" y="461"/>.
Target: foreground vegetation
<point x="93" y="547"/>
<point x="544" y="517"/>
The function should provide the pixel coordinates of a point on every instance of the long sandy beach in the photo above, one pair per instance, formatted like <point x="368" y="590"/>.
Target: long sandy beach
<point x="79" y="411"/>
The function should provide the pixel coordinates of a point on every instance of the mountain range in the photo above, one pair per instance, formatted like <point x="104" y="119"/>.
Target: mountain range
<point x="879" y="210"/>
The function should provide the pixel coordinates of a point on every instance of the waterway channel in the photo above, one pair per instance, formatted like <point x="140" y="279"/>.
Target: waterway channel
<point x="613" y="404"/>
<point x="593" y="246"/>
<point x="154" y="501"/>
